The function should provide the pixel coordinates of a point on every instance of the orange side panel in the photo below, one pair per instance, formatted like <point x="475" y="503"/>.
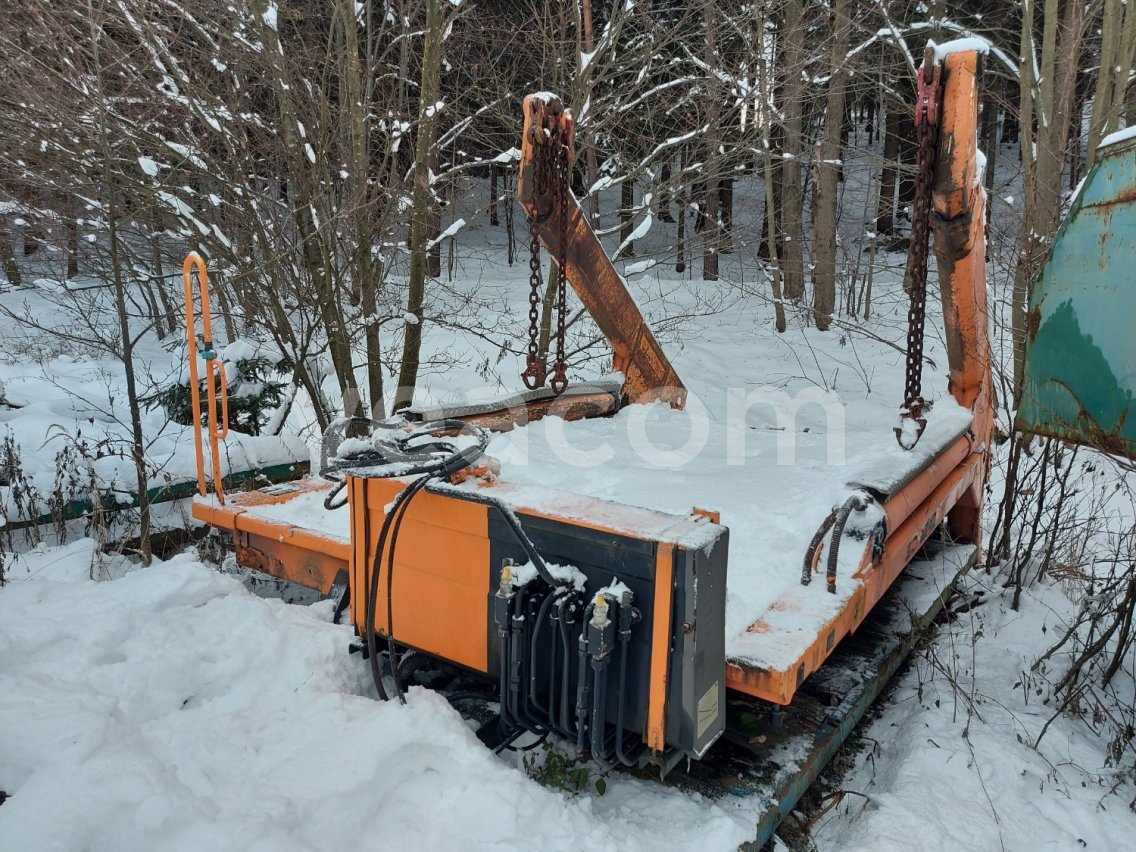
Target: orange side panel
<point x="441" y="572"/>
<point x="660" y="647"/>
<point x="900" y="506"/>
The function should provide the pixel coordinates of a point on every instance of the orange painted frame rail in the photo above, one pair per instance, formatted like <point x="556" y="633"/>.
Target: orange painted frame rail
<point x="214" y="369"/>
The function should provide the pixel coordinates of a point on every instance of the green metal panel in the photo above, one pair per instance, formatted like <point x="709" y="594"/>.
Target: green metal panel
<point x="1080" y="372"/>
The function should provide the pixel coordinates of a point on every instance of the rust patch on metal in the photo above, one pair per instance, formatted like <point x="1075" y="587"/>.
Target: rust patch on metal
<point x="1033" y="323"/>
<point x="1124" y="197"/>
<point x="258" y="560"/>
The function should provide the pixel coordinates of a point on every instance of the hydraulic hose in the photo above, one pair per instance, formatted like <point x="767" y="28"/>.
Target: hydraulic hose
<point x="419" y="452"/>
<point x="373" y="593"/>
<point x="599" y="711"/>
<point x="855" y="503"/>
<point x="503" y="681"/>
<point x="814" y="543"/>
<point x="620" y="754"/>
<point x="536" y="631"/>
<point x="566" y="669"/>
<point x="582" y="686"/>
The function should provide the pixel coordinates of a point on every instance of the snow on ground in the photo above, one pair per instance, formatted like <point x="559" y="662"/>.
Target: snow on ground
<point x="939" y="777"/>
<point x="171" y="709"/>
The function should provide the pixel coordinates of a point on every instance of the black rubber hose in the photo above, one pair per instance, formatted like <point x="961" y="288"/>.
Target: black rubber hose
<point x="514" y="652"/>
<point x="422" y="460"/>
<point x="599" y="711"/>
<point x="582" y="686"/>
<point x="413" y="490"/>
<point x="503" y="672"/>
<point x="565" y="671"/>
<point x="855" y="503"/>
<point x="814" y="543"/>
<point x="541" y="614"/>
<point x="553" y="650"/>
<point x="329" y="501"/>
<point x="373" y="594"/>
<point x="620" y="754"/>
<point x="519" y="673"/>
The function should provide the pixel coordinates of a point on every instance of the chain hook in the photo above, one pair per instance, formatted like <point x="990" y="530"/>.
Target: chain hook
<point x="559" y="381"/>
<point x="912" y="413"/>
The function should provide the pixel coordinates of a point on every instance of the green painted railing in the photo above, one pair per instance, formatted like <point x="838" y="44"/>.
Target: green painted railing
<point x="117" y="501"/>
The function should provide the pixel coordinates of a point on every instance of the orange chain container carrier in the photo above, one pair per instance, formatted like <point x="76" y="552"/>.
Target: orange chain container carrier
<point x="600" y="623"/>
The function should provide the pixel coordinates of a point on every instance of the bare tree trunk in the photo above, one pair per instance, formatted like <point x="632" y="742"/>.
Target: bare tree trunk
<point x="157" y="271"/>
<point x="315" y="237"/>
<point x="683" y="203"/>
<point x="792" y="192"/>
<point x="626" y="217"/>
<point x="726" y="202"/>
<point x="664" y="199"/>
<point x="989" y="140"/>
<point x="72" y="228"/>
<point x="590" y="148"/>
<point x="138" y="443"/>
<point x="434" y="221"/>
<point x="1118" y="50"/>
<point x="493" y="193"/>
<point x="1049" y="95"/>
<point x="7" y="256"/>
<point x="770" y="219"/>
<point x="885" y="209"/>
<point x="420" y="205"/>
<point x="824" y="237"/>
<point x="711" y="233"/>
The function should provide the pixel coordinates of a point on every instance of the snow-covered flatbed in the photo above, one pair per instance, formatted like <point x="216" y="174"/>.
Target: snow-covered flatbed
<point x="772" y="509"/>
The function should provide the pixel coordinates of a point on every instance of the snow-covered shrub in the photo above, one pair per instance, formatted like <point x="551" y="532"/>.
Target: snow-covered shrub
<point x="19" y="498"/>
<point x="256" y="388"/>
<point x="77" y="492"/>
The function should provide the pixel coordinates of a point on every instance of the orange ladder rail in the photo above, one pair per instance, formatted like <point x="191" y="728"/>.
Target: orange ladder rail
<point x="214" y="371"/>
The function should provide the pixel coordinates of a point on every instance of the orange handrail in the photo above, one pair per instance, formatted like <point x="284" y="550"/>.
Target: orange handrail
<point x="214" y="369"/>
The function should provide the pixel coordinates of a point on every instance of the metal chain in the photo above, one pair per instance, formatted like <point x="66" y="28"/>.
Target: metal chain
<point x="534" y="376"/>
<point x="927" y="136"/>
<point x="552" y="165"/>
<point x="560" y="370"/>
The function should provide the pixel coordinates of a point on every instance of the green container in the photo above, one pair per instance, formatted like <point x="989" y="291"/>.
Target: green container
<point x="1080" y="373"/>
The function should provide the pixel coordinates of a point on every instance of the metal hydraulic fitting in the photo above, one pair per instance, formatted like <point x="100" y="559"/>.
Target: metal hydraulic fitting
<point x="502" y="601"/>
<point x="601" y="629"/>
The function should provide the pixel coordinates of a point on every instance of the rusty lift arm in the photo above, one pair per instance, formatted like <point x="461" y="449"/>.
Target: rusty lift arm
<point x="648" y="374"/>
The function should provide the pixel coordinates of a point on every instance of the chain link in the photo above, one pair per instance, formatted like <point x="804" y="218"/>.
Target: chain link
<point x="927" y="138"/>
<point x="563" y="172"/>
<point x="552" y="166"/>
<point x="534" y="373"/>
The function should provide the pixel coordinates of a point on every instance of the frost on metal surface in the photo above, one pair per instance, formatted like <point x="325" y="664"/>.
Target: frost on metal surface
<point x="1081" y="360"/>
